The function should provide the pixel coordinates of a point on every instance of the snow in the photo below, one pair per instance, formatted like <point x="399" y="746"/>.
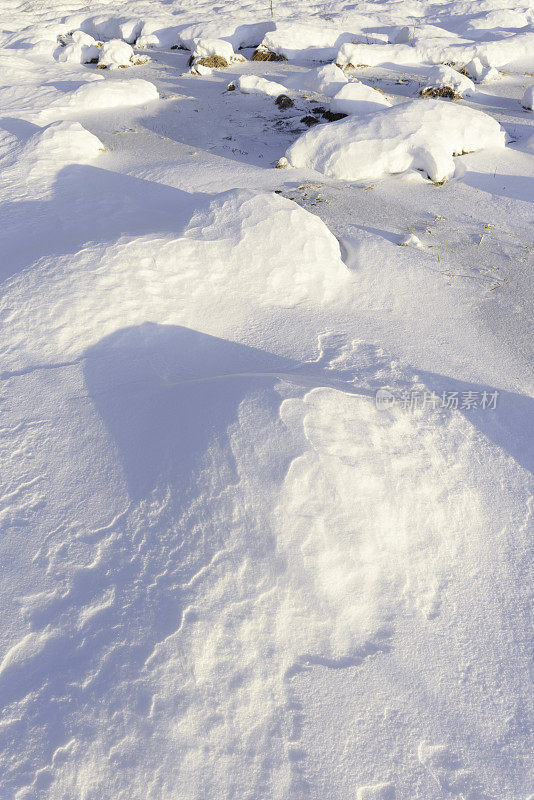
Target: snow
<point x="252" y="84"/>
<point x="115" y="54"/>
<point x="250" y="231"/>
<point x="528" y="98"/>
<point x="200" y="69"/>
<point x="446" y="76"/>
<point x="61" y="143"/>
<point x="512" y="53"/>
<point x="214" y="47"/>
<point x="106" y="27"/>
<point x="239" y="30"/>
<point x="266" y="434"/>
<point x="78" y="53"/>
<point x="370" y="55"/>
<point x="305" y="41"/>
<point x="411" y="240"/>
<point x="101" y="95"/>
<point x="421" y="134"/>
<point x="327" y="80"/>
<point x="358" y="98"/>
<point x="479" y="73"/>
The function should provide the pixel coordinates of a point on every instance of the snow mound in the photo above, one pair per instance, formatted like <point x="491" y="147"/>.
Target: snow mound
<point x="498" y="19"/>
<point x="306" y="42"/>
<point x="63" y="142"/>
<point x="108" y="27"/>
<point x="420" y="134"/>
<point x="443" y="76"/>
<point x="116" y="54"/>
<point x="358" y="98"/>
<point x="253" y="84"/>
<point x="157" y="33"/>
<point x="476" y="70"/>
<point x="528" y="99"/>
<point x="239" y="252"/>
<point x="38" y="162"/>
<point x="327" y="80"/>
<point x="200" y="69"/>
<point x="206" y="48"/>
<point x="101" y="95"/>
<point x="511" y="54"/>
<point x="77" y="53"/>
<point x="372" y="55"/>
<point x="239" y="31"/>
<point x="80" y="37"/>
<point x="411" y="240"/>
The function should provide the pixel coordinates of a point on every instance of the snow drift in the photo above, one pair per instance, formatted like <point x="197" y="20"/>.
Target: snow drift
<point x="422" y="134"/>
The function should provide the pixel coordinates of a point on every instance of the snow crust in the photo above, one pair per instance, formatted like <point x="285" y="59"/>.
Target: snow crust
<point x="421" y="134"/>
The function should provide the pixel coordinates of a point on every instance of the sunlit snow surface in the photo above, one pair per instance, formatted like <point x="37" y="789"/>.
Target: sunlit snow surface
<point x="228" y="571"/>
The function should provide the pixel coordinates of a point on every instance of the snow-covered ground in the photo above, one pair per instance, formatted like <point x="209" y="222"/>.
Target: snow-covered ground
<point x="267" y="400"/>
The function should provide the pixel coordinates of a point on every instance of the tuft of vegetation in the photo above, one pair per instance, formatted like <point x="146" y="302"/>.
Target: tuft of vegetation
<point x="440" y="91"/>
<point x="308" y="120"/>
<point x="264" y="54"/>
<point x="333" y="116"/>
<point x="213" y="62"/>
<point x="284" y="102"/>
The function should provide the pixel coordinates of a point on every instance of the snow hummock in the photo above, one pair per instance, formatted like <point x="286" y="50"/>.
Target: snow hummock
<point x="239" y="30"/>
<point x="203" y="48"/>
<point x="480" y="73"/>
<point x="200" y="69"/>
<point x="78" y="48"/>
<point x="528" y="98"/>
<point x="305" y="41"/>
<point x="369" y="55"/>
<point x="358" y="98"/>
<point x="78" y="53"/>
<point x="64" y="142"/>
<point x="246" y="248"/>
<point x="420" y="134"/>
<point x="100" y="95"/>
<point x="326" y="80"/>
<point x="110" y="27"/>
<point x="411" y="240"/>
<point x="447" y="76"/>
<point x="511" y="53"/>
<point x="115" y="54"/>
<point x="253" y="84"/>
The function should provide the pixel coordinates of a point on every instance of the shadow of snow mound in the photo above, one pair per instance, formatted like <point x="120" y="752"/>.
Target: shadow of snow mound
<point x="167" y="392"/>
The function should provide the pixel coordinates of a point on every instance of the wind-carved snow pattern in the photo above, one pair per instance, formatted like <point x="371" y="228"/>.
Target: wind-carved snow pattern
<point x="248" y="581"/>
<point x="175" y="631"/>
<point x="245" y="248"/>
